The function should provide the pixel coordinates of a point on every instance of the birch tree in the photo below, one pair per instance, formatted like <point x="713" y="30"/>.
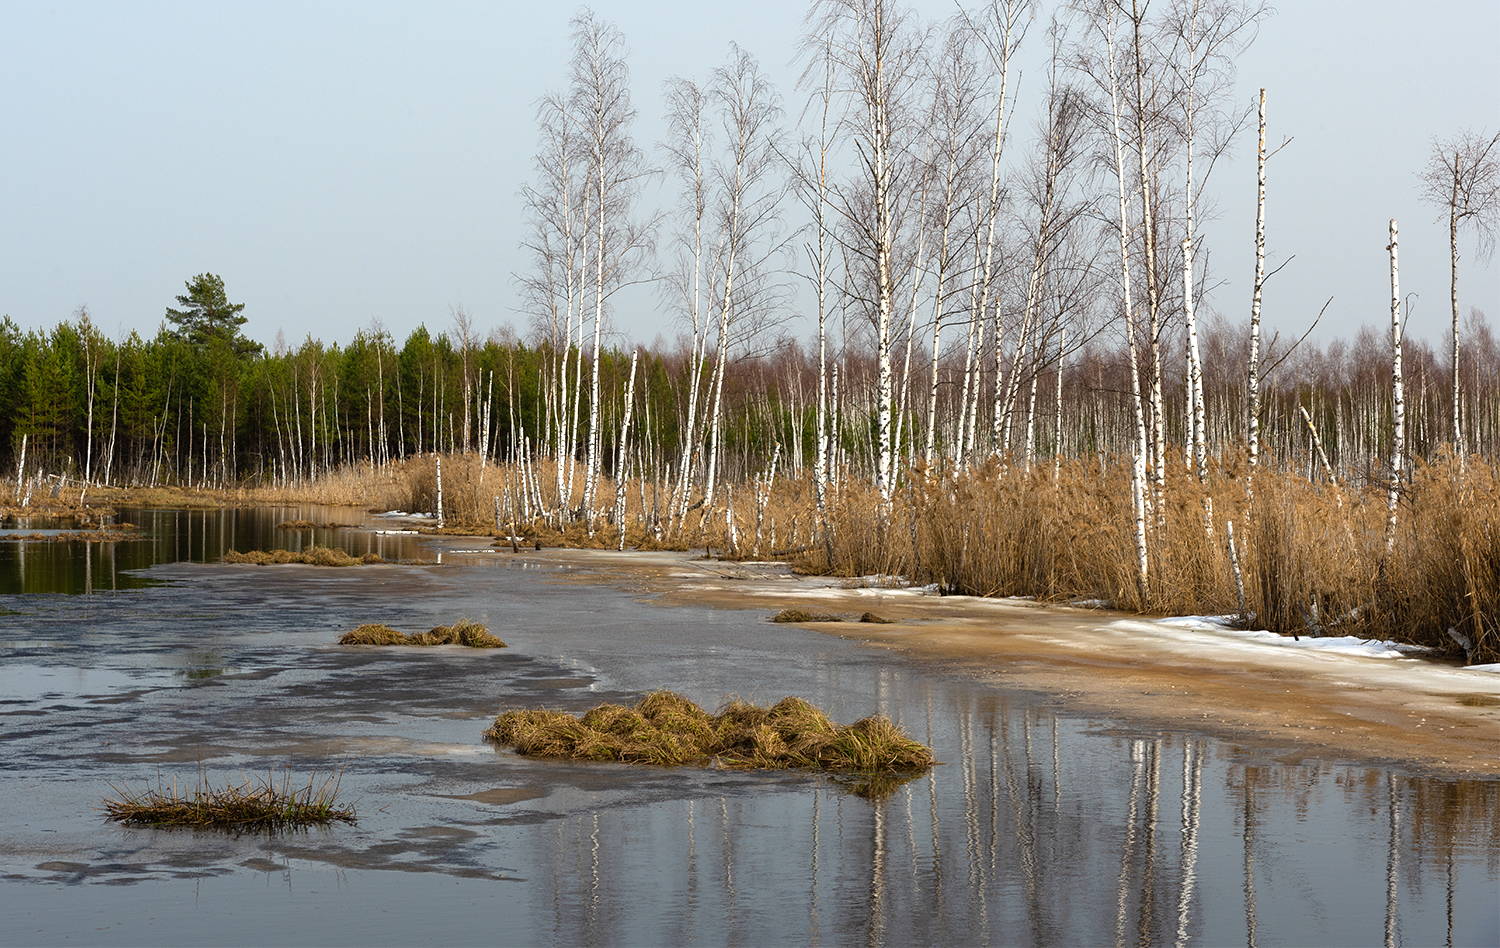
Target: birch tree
<point x="616" y="171"/>
<point x="1047" y="193"/>
<point x="687" y="148"/>
<point x="1207" y="36"/>
<point x="1398" y="398"/>
<point x="1463" y="177"/>
<point x="957" y="105"/>
<point x="1001" y="30"/>
<point x="748" y="209"/>
<point x="1252" y="369"/>
<point x="1098" y="56"/>
<point x="550" y="290"/>
<point x="810" y="173"/>
<point x="875" y="46"/>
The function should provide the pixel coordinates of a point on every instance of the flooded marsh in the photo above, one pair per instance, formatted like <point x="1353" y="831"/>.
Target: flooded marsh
<point x="1043" y="824"/>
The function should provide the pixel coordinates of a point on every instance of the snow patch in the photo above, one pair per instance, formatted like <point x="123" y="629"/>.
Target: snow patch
<point x="1339" y="644"/>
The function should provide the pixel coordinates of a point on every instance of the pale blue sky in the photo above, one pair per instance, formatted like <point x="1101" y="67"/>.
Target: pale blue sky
<point x="338" y="163"/>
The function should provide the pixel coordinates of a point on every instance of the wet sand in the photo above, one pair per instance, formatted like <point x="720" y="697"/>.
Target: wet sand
<point x="1296" y="704"/>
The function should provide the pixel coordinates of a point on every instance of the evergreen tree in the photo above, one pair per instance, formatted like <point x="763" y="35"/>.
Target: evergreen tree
<point x="207" y="317"/>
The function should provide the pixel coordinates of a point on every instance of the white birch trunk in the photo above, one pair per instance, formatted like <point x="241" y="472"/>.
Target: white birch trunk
<point x="114" y="418"/>
<point x="621" y="455"/>
<point x="591" y="477"/>
<point x="1195" y="366"/>
<point x="89" y="376"/>
<point x="1057" y="428"/>
<point x="20" y="467"/>
<point x="1195" y="384"/>
<point x="1252" y="381"/>
<point x="1398" y="404"/>
<point x="1138" y="471"/>
<point x="1153" y="302"/>
<point x="881" y="141"/>
<point x="1458" y="439"/>
<point x="969" y="403"/>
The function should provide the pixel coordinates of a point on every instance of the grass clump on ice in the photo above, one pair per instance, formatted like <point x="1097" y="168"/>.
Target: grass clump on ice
<point x="666" y="728"/>
<point x="802" y="615"/>
<point x="465" y="632"/>
<point x="258" y="803"/>
<point x="314" y="555"/>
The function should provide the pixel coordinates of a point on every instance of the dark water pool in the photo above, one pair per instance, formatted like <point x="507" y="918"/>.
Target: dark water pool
<point x="1041" y="827"/>
<point x="46" y="555"/>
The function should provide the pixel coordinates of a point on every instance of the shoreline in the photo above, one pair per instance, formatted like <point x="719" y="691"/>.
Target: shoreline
<point x="1291" y="704"/>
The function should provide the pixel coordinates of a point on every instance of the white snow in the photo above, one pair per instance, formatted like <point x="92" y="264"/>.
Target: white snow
<point x="1343" y="644"/>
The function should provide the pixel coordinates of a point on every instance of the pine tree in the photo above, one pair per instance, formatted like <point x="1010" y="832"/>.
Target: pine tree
<point x="207" y="317"/>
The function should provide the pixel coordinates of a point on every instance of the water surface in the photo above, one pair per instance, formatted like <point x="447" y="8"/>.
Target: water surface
<point x="1040" y="827"/>
<point x="46" y="555"/>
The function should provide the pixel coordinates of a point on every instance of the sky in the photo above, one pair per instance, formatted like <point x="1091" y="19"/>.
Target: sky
<point x="342" y="164"/>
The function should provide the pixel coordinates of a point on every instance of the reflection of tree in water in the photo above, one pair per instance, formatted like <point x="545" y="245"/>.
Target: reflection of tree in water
<point x="1042" y="829"/>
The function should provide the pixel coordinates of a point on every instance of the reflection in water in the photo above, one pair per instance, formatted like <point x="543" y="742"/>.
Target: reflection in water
<point x="1192" y="792"/>
<point x="85" y="566"/>
<point x="1247" y="831"/>
<point x="1022" y="889"/>
<point x="1393" y="859"/>
<point x="1056" y="828"/>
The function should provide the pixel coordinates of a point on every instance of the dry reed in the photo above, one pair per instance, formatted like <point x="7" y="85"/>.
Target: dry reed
<point x="258" y="803"/>
<point x="1313" y="554"/>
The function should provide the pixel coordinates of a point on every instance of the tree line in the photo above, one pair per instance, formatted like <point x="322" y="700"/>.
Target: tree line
<point x="981" y="287"/>
<point x="164" y="411"/>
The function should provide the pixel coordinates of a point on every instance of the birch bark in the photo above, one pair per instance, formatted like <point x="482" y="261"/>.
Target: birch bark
<point x="1398" y="400"/>
<point x="1252" y="380"/>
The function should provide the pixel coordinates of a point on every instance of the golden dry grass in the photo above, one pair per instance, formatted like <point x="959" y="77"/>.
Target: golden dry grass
<point x="1314" y="558"/>
<point x="667" y="728"/>
<point x="465" y="632"/>
<point x="255" y="803"/>
<point x="313" y="555"/>
<point x="802" y="615"/>
<point x="373" y="633"/>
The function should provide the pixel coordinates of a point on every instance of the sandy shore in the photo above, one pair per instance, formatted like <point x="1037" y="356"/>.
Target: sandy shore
<point x="1289" y="703"/>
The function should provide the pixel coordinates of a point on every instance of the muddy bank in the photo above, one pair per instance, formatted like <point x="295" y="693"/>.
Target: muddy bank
<point x="1431" y="717"/>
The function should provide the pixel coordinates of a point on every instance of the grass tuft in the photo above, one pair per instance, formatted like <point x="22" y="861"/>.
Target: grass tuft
<point x="256" y="803"/>
<point x="373" y="633"/>
<point x="465" y="632"/>
<point x="667" y="728"/>
<point x="878" y="620"/>
<point x="802" y="615"/>
<point x="313" y="555"/>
